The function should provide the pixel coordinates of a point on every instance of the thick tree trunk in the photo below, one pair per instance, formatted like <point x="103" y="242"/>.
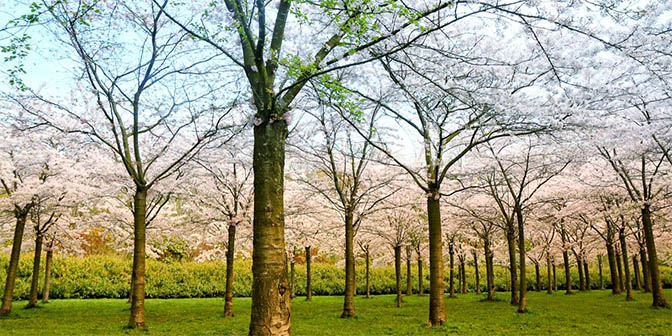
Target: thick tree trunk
<point x="437" y="314"/>
<point x="621" y="286"/>
<point x="549" y="284"/>
<point x="409" y="280"/>
<point x="368" y="286"/>
<point x="309" y="290"/>
<point x="478" y="280"/>
<point x="451" y="253"/>
<point x="568" y="279"/>
<point x="611" y="255"/>
<point x="626" y="267"/>
<point x="47" y="274"/>
<point x="348" y="300"/>
<point x="421" y="286"/>
<point x="645" y="270"/>
<point x="14" y="261"/>
<point x="35" y="279"/>
<point x="397" y="273"/>
<point x="638" y="279"/>
<point x="513" y="270"/>
<point x="599" y="265"/>
<point x="656" y="285"/>
<point x="271" y="304"/>
<point x="586" y="276"/>
<point x="522" y="302"/>
<point x="579" y="266"/>
<point x="230" y="255"/>
<point x="137" y="319"/>
<point x="538" y="277"/>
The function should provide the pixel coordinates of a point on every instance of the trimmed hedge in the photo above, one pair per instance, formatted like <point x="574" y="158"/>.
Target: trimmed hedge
<point x="109" y="277"/>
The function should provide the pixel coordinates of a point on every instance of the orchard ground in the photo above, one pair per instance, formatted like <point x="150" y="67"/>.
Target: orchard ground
<point x="594" y="312"/>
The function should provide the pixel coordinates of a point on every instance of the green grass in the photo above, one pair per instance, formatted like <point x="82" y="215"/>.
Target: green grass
<point x="591" y="313"/>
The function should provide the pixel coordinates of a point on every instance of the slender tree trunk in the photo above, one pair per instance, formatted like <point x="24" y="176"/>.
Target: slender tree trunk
<point x="522" y="303"/>
<point x="409" y="280"/>
<point x="230" y="255"/>
<point x="536" y="271"/>
<point x="549" y="285"/>
<point x="271" y="304"/>
<point x="568" y="279"/>
<point x="348" y="300"/>
<point x="47" y="274"/>
<point x="599" y="265"/>
<point x="20" y="215"/>
<point x="491" y="267"/>
<point x="478" y="280"/>
<point x="488" y="272"/>
<point x="611" y="255"/>
<point x="579" y="264"/>
<point x="137" y="319"/>
<point x="645" y="270"/>
<point x="459" y="277"/>
<point x="397" y="272"/>
<point x="35" y="279"/>
<point x="437" y="314"/>
<point x="451" y="253"/>
<point x="368" y="286"/>
<point x="638" y="280"/>
<point x="626" y="267"/>
<point x="421" y="286"/>
<point x="292" y="278"/>
<point x="309" y="291"/>
<point x="656" y="285"/>
<point x="621" y="286"/>
<point x="586" y="276"/>
<point x="464" y="276"/>
<point x="511" y="244"/>
<point x="555" y="281"/>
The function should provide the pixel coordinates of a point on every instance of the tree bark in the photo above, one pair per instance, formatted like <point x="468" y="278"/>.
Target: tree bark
<point x="621" y="286"/>
<point x="538" y="278"/>
<point x="451" y="253"/>
<point x="656" y="285"/>
<point x="626" y="267"/>
<point x="421" y="286"/>
<point x="409" y="280"/>
<point x="549" y="285"/>
<point x="271" y="304"/>
<point x="478" y="280"/>
<point x="599" y="265"/>
<point x="555" y="282"/>
<point x="292" y="279"/>
<point x="522" y="302"/>
<point x="437" y="314"/>
<point x="645" y="270"/>
<point x="309" y="290"/>
<point x="513" y="270"/>
<point x="611" y="255"/>
<point x="47" y="274"/>
<point x="489" y="277"/>
<point x="579" y="264"/>
<point x="568" y="279"/>
<point x="464" y="276"/>
<point x="137" y="319"/>
<point x="368" y="286"/>
<point x="397" y="273"/>
<point x="35" y="279"/>
<point x="638" y="280"/>
<point x="586" y="275"/>
<point x="348" y="300"/>
<point x="20" y="215"/>
<point x="230" y="255"/>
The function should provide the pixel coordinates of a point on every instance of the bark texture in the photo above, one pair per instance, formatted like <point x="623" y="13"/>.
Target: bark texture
<point x="309" y="290"/>
<point x="511" y="244"/>
<point x="478" y="279"/>
<point x="230" y="255"/>
<point x="409" y="280"/>
<point x="568" y="280"/>
<point x="437" y="314"/>
<point x="35" y="278"/>
<point x="397" y="273"/>
<point x="20" y="215"/>
<point x="626" y="267"/>
<point x="656" y="285"/>
<point x="47" y="275"/>
<point x="137" y="319"/>
<point x="348" y="300"/>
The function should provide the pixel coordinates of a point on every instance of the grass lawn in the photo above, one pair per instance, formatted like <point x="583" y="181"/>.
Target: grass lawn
<point x="595" y="313"/>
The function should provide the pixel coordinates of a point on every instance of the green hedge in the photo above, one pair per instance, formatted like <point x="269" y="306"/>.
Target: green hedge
<point x="109" y="277"/>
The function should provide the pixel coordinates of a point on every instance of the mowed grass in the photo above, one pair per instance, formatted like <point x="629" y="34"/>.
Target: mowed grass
<point x="590" y="313"/>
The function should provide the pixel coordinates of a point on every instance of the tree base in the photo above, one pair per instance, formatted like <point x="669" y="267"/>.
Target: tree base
<point x="348" y="314"/>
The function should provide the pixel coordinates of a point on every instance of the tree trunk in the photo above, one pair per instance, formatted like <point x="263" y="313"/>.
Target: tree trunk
<point x="478" y="280"/>
<point x="397" y="272"/>
<point x="626" y="267"/>
<point x="421" y="285"/>
<point x="549" y="285"/>
<point x="137" y="319"/>
<point x="348" y="300"/>
<point x="638" y="280"/>
<point x="230" y="255"/>
<point x="35" y="279"/>
<point x="452" y="277"/>
<point x="47" y="274"/>
<point x="409" y="280"/>
<point x="368" y="286"/>
<point x="579" y="264"/>
<point x="271" y="304"/>
<point x="656" y="285"/>
<point x="645" y="270"/>
<point x="491" y="267"/>
<point x="488" y="272"/>
<point x="20" y="215"/>
<point x="586" y="276"/>
<point x="599" y="265"/>
<point x="459" y="277"/>
<point x="437" y="314"/>
<point x="309" y="291"/>
<point x="536" y="271"/>
<point x="615" y="290"/>
<point x="513" y="270"/>
<point x="619" y="266"/>
<point x="522" y="302"/>
<point x="292" y="279"/>
<point x="555" y="282"/>
<point x="464" y="276"/>
<point x="568" y="279"/>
